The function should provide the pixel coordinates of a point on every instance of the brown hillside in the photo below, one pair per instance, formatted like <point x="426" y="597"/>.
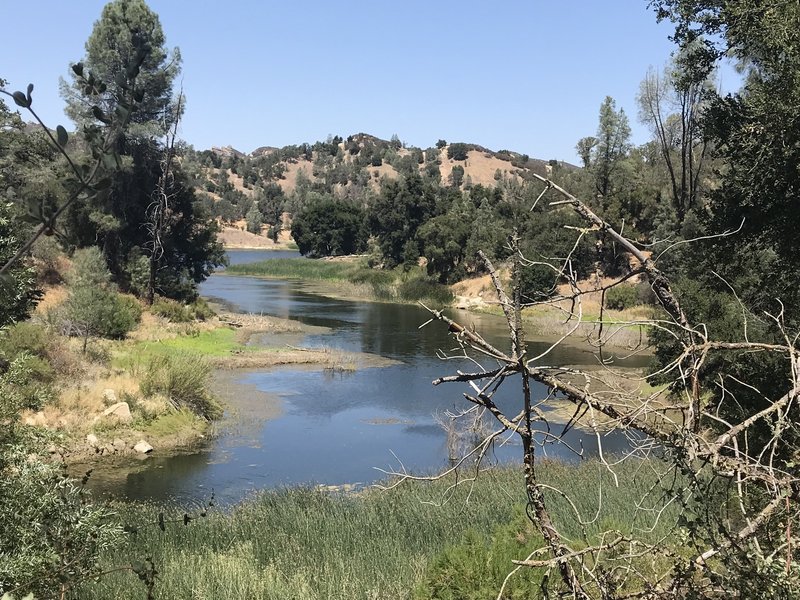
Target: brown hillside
<point x="480" y="167"/>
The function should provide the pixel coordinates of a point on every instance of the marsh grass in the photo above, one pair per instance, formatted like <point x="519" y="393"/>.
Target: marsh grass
<point x="301" y="268"/>
<point x="307" y="543"/>
<point x="397" y="285"/>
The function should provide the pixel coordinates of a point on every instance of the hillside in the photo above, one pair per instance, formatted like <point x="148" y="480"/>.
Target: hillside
<point x="278" y="181"/>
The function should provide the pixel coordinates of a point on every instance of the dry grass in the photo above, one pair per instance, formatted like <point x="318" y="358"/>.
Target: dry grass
<point x="237" y="238"/>
<point x="289" y="181"/>
<point x="478" y="167"/>
<point x="75" y="409"/>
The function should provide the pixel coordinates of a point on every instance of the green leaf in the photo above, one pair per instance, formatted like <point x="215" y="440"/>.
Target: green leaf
<point x="61" y="136"/>
<point x="100" y="115"/>
<point x="21" y="100"/>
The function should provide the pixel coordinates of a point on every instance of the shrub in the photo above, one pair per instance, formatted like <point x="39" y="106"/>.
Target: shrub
<point x="621" y="297"/>
<point x="94" y="308"/>
<point x="172" y="310"/>
<point x="183" y="378"/>
<point x="52" y="535"/>
<point x="25" y="382"/>
<point x="175" y="312"/>
<point x="422" y="288"/>
<point x="24" y="337"/>
<point x="127" y="314"/>
<point x="24" y="364"/>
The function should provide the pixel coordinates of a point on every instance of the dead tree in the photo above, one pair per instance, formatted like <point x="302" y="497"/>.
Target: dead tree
<point x="696" y="449"/>
<point x="158" y="212"/>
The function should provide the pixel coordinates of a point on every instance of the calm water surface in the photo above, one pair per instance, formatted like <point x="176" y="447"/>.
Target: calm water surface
<point x="337" y="428"/>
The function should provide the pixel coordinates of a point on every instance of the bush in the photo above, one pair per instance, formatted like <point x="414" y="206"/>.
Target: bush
<point x="183" y="378"/>
<point x="24" y="337"/>
<point x="52" y="535"/>
<point x="127" y="313"/>
<point x="24" y="365"/>
<point x="94" y="308"/>
<point x="172" y="310"/>
<point x="621" y="297"/>
<point x="421" y="288"/>
<point x="175" y="312"/>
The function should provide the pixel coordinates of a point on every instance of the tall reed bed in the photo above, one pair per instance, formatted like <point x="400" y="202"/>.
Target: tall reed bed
<point x="306" y="543"/>
<point x="398" y="285"/>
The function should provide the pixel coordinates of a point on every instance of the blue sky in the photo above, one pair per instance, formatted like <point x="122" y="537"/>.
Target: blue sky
<point x="524" y="76"/>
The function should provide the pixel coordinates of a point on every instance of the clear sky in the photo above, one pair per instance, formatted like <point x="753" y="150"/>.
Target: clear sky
<point x="527" y="76"/>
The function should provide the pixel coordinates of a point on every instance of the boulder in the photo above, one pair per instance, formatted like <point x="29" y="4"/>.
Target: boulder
<point x="119" y="411"/>
<point x="119" y="445"/>
<point x="92" y="440"/>
<point x="143" y="447"/>
<point x="109" y="397"/>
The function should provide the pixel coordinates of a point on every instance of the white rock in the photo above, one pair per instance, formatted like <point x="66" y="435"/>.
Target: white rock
<point x="92" y="440"/>
<point x="143" y="447"/>
<point x="118" y="445"/>
<point x="109" y="397"/>
<point x="121" y="411"/>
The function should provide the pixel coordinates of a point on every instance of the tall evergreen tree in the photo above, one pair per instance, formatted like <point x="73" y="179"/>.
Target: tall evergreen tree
<point x="613" y="144"/>
<point x="129" y="35"/>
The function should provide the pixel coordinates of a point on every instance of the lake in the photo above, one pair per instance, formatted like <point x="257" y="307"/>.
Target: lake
<point x="340" y="428"/>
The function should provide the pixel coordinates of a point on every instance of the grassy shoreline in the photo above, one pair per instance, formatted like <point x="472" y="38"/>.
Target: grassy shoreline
<point x="351" y="278"/>
<point x="403" y="543"/>
<point x="160" y="353"/>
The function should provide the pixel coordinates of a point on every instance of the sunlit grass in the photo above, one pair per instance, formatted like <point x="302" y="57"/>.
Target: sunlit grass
<point x="396" y="285"/>
<point x="306" y="543"/>
<point x="299" y="268"/>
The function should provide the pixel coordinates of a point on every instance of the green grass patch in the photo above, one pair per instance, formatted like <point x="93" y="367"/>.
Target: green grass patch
<point x="300" y="268"/>
<point x="396" y="285"/>
<point x="404" y="543"/>
<point x="174" y="423"/>
<point x="212" y="343"/>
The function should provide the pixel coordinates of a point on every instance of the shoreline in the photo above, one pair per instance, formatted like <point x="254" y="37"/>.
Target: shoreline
<point x="266" y="343"/>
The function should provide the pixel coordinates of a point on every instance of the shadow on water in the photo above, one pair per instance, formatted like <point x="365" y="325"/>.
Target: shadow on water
<point x="339" y="428"/>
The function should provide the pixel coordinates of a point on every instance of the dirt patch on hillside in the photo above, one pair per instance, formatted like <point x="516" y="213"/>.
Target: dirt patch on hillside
<point x="236" y="238"/>
<point x="289" y="181"/>
<point x="481" y="169"/>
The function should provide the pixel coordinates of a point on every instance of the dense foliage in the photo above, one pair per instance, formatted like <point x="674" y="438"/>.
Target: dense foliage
<point x="185" y="248"/>
<point x="329" y="227"/>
